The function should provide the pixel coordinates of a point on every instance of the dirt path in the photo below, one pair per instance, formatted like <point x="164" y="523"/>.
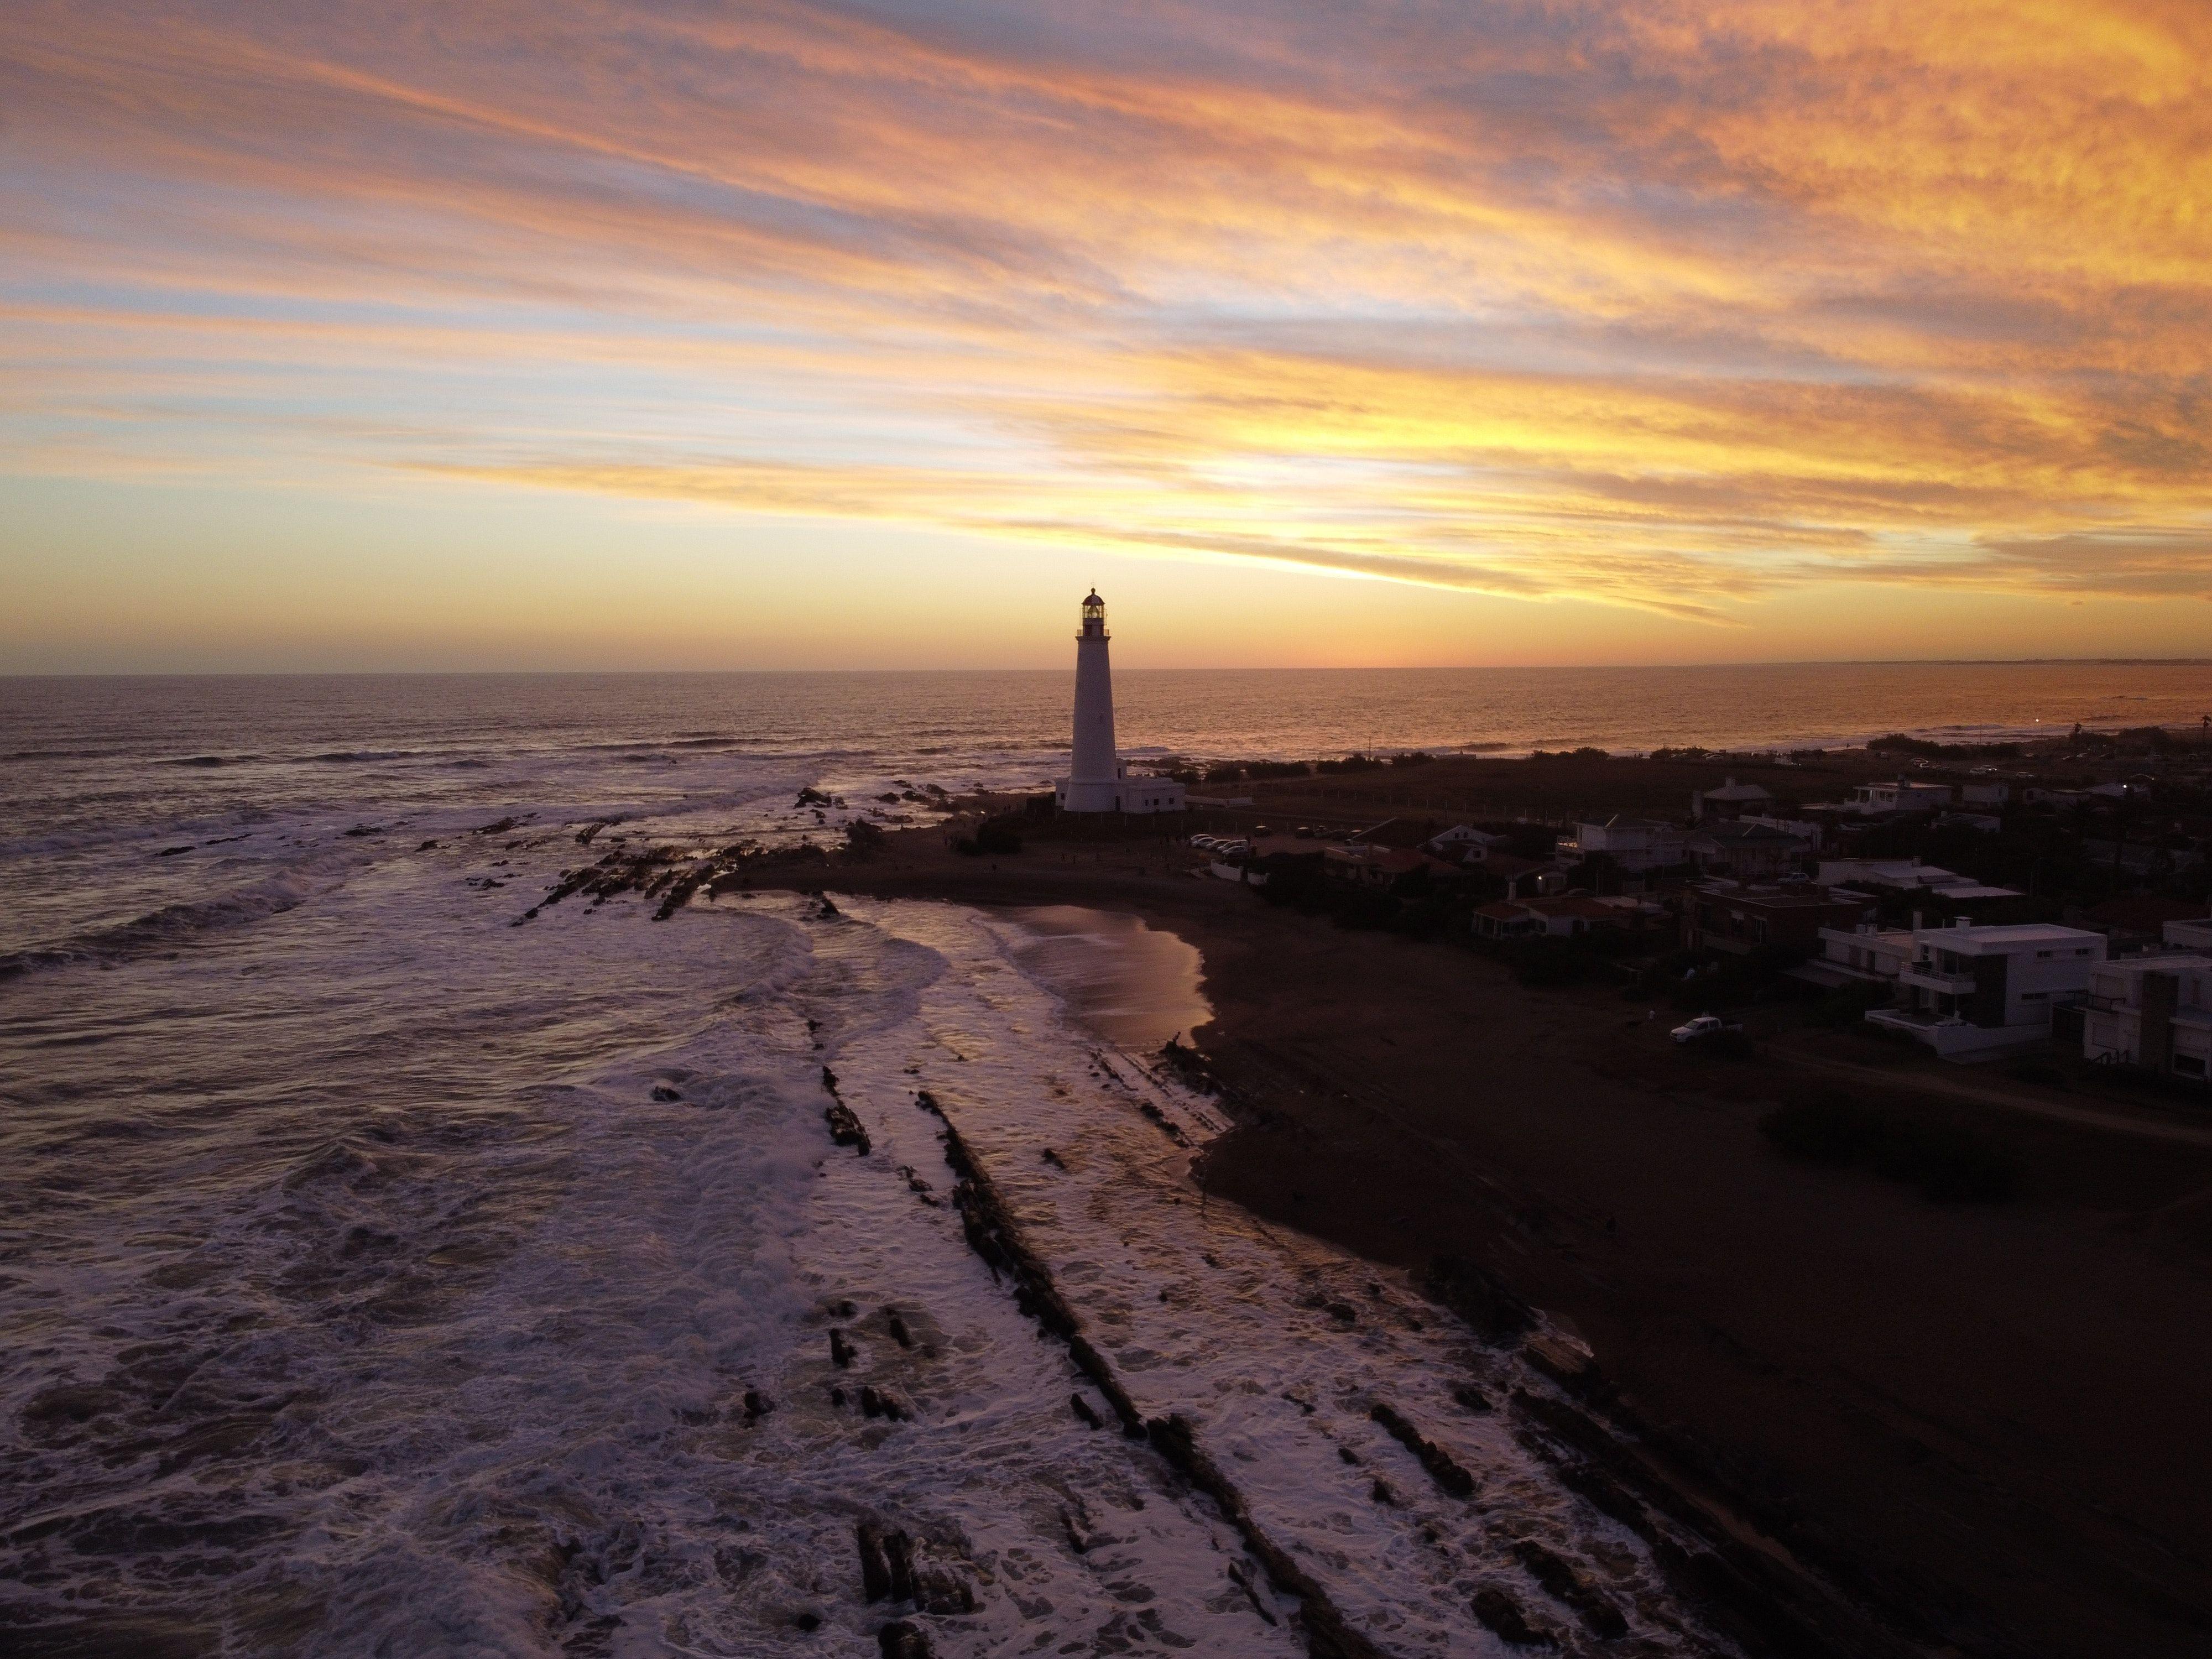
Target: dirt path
<point x="2117" y="1121"/>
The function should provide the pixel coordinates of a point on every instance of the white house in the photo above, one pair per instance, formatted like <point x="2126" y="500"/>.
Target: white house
<point x="1746" y="850"/>
<point x="1901" y="796"/>
<point x="1732" y="800"/>
<point x="1634" y="843"/>
<point x="1802" y="830"/>
<point x="1462" y="841"/>
<point x="1931" y="881"/>
<point x="2152" y="1012"/>
<point x="1971" y="990"/>
<point x="1866" y="952"/>
<point x="2189" y="935"/>
<point x="1097" y="778"/>
<point x="1566" y="917"/>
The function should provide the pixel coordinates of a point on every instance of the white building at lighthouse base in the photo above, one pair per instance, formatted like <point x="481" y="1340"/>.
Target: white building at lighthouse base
<point x="1123" y="794"/>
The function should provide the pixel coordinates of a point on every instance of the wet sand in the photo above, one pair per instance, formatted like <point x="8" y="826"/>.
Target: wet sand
<point x="1985" y="1422"/>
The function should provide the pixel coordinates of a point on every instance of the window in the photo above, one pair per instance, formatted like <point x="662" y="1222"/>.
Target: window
<point x="2189" y="1065"/>
<point x="2042" y="956"/>
<point x="2035" y="996"/>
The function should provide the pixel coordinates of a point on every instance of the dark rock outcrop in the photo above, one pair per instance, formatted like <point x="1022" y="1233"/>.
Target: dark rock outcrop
<point x="1443" y="1467"/>
<point x="1503" y="1614"/>
<point x="893" y="1568"/>
<point x="846" y="1129"/>
<point x="884" y="1403"/>
<point x="875" y="1566"/>
<point x="1328" y="1635"/>
<point x="1477" y="1297"/>
<point x="1562" y="1582"/>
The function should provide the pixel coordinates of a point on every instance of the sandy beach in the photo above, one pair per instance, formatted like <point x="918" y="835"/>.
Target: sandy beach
<point x="1982" y="1423"/>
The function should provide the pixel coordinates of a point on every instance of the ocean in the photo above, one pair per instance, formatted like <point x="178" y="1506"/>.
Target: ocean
<point x="382" y="1273"/>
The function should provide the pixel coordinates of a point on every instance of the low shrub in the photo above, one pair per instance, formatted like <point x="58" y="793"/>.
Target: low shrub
<point x="994" y="838"/>
<point x="1947" y="1162"/>
<point x="1363" y="907"/>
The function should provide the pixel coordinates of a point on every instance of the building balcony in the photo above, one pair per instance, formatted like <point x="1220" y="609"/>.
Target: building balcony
<point x="1949" y="985"/>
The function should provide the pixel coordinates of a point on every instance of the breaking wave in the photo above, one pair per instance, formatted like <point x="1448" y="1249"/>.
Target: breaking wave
<point x="170" y="926"/>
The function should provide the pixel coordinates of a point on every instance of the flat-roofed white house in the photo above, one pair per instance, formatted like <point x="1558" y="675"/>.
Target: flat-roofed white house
<point x="1868" y="951"/>
<point x="1748" y="851"/>
<point x="1970" y="991"/>
<point x="1732" y="800"/>
<point x="1634" y="843"/>
<point x="1906" y="876"/>
<point x="2187" y="935"/>
<point x="2152" y="1012"/>
<point x="1903" y="795"/>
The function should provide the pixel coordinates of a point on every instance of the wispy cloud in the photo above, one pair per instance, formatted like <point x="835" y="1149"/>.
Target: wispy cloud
<point x="1663" y="304"/>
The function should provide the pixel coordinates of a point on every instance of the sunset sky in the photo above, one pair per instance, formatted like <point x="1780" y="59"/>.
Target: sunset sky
<point x="560" y="334"/>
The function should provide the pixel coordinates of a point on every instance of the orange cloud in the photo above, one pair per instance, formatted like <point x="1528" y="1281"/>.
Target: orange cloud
<point x="1664" y="305"/>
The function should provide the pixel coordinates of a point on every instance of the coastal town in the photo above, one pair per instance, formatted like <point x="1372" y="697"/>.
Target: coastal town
<point x="1987" y="902"/>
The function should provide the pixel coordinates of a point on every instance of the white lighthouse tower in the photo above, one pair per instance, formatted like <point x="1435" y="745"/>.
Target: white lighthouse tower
<point x="1098" y="780"/>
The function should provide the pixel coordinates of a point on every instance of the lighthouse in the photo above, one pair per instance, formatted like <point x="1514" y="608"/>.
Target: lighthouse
<point x="1097" y="778"/>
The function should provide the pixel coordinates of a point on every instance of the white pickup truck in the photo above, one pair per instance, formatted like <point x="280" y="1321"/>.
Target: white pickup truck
<point x="1704" y="1025"/>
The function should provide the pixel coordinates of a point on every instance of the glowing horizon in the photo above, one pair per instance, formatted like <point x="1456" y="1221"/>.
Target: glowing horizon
<point x="786" y="335"/>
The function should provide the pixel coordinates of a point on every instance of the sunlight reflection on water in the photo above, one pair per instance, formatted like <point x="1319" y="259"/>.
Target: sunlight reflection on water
<point x="1135" y="985"/>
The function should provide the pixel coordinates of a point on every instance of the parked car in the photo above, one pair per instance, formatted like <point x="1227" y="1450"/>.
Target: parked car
<point x="1704" y="1026"/>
